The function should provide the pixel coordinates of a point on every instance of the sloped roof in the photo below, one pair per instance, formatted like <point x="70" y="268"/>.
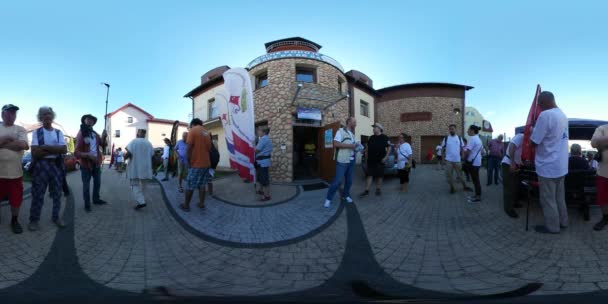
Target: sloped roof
<point x="150" y="116"/>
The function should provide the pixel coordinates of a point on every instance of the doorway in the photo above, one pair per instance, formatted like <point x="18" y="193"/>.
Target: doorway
<point x="305" y="153"/>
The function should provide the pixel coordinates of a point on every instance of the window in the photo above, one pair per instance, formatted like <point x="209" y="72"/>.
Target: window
<point x="340" y="85"/>
<point x="364" y="108"/>
<point x="304" y="74"/>
<point x="214" y="140"/>
<point x="117" y="133"/>
<point x="261" y="80"/>
<point x="130" y="120"/>
<point x="212" y="109"/>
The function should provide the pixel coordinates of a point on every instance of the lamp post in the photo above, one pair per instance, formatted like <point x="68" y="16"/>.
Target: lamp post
<point x="105" y="117"/>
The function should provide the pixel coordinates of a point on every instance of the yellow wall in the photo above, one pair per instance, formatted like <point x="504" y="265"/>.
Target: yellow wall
<point x="201" y="103"/>
<point x="364" y="124"/>
<point x="157" y="132"/>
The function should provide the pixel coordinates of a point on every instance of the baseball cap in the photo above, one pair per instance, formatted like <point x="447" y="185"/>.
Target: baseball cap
<point x="9" y="107"/>
<point x="379" y="125"/>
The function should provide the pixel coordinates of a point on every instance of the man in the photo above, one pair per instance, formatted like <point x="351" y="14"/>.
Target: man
<point x="263" y="154"/>
<point x="510" y="184"/>
<point x="439" y="156"/>
<point x="576" y="161"/>
<point x="472" y="155"/>
<point x="182" y="162"/>
<point x="378" y="149"/>
<point x="166" y="154"/>
<point x="48" y="146"/>
<point x="88" y="149"/>
<point x="600" y="142"/>
<point x="497" y="152"/>
<point x="593" y="163"/>
<point x="139" y="170"/>
<point x="199" y="146"/>
<point x="13" y="141"/>
<point x="345" y="145"/>
<point x="452" y="149"/>
<point x="550" y="137"/>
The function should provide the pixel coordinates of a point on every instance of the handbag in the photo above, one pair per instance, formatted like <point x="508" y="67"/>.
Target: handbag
<point x="469" y="164"/>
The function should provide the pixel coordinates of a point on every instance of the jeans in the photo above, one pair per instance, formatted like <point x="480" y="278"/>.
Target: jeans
<point x="87" y="174"/>
<point x="342" y="170"/>
<point x="474" y="171"/>
<point x="493" y="168"/>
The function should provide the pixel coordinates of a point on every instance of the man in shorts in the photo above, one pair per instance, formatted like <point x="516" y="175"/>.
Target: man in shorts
<point x="13" y="141"/>
<point x="378" y="149"/>
<point x="199" y="146"/>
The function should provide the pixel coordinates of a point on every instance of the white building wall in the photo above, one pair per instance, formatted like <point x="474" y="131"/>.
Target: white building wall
<point x="364" y="123"/>
<point x="157" y="132"/>
<point x="128" y="131"/>
<point x="201" y="103"/>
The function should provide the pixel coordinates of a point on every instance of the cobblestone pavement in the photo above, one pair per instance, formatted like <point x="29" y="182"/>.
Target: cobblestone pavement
<point x="425" y="246"/>
<point x="231" y="189"/>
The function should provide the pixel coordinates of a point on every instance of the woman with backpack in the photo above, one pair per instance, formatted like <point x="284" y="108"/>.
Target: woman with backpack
<point x="404" y="156"/>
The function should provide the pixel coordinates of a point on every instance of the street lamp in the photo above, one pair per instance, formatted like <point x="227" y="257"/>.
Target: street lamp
<point x="105" y="117"/>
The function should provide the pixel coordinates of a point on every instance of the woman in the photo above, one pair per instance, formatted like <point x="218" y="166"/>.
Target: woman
<point x="404" y="156"/>
<point x="263" y="154"/>
<point x="466" y="174"/>
<point x="473" y="160"/>
<point x="119" y="160"/>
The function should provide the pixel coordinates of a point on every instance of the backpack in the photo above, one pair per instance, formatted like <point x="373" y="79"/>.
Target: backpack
<point x="214" y="156"/>
<point x="445" y="141"/>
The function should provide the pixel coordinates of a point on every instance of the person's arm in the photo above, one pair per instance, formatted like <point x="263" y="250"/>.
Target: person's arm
<point x="13" y="144"/>
<point x="389" y="150"/>
<point x="599" y="140"/>
<point x="79" y="149"/>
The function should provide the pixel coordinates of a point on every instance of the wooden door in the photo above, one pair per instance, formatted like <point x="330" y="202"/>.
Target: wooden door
<point x="327" y="164"/>
<point x="429" y="143"/>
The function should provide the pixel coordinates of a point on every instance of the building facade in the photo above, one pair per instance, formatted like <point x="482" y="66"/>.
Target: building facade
<point x="304" y="96"/>
<point x="125" y="121"/>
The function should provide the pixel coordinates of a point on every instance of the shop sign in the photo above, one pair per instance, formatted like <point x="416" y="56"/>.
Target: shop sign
<point x="309" y="113"/>
<point x="416" y="116"/>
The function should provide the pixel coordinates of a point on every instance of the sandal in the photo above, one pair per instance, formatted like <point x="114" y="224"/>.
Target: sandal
<point x="183" y="207"/>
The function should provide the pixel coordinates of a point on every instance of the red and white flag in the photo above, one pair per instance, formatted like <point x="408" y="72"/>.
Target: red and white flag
<point x="527" y="151"/>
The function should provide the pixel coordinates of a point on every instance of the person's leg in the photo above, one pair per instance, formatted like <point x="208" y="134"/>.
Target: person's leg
<point x="348" y="180"/>
<point x="507" y="190"/>
<point x="65" y="187"/>
<point x="368" y="181"/>
<point x="601" y="184"/>
<point x="335" y="183"/>
<point x="181" y="168"/>
<point x="476" y="181"/>
<point x="166" y="168"/>
<point x="190" y="185"/>
<point x="496" y="170"/>
<point x="96" y="185"/>
<point x="56" y="181"/>
<point x="85" y="175"/>
<point x="548" y="190"/>
<point x="449" y="175"/>
<point x="40" y="181"/>
<point x="490" y="169"/>
<point x="560" y="199"/>
<point x="138" y="192"/>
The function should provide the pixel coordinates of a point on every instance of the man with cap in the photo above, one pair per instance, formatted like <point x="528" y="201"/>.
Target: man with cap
<point x="13" y="141"/>
<point x="88" y="149"/>
<point x="377" y="150"/>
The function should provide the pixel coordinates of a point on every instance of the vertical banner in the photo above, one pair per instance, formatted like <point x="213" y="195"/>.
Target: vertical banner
<point x="240" y="115"/>
<point x="527" y="151"/>
<point x="221" y="103"/>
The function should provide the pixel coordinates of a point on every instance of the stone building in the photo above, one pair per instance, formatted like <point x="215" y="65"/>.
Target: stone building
<point x="304" y="96"/>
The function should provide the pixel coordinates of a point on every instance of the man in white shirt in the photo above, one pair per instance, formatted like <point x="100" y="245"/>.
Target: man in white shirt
<point x="473" y="157"/>
<point x="165" y="157"/>
<point x="48" y="146"/>
<point x="345" y="145"/>
<point x="510" y="185"/>
<point x="139" y="170"/>
<point x="550" y="137"/>
<point x="439" y="156"/>
<point x="452" y="146"/>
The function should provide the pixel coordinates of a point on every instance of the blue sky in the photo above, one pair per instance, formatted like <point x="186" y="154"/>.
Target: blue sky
<point x="152" y="52"/>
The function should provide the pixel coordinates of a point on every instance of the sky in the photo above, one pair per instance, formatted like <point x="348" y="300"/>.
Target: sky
<point x="57" y="53"/>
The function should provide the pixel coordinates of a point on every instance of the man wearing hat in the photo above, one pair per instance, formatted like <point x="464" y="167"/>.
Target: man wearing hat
<point x="13" y="141"/>
<point x="378" y="149"/>
<point x="88" y="149"/>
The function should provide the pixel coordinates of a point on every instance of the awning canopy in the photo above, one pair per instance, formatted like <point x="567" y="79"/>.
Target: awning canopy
<point x="312" y="95"/>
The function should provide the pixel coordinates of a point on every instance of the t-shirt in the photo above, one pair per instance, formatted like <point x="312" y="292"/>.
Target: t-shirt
<point x="439" y="150"/>
<point x="51" y="138"/>
<point x="602" y="169"/>
<point x="10" y="161"/>
<point x="265" y="147"/>
<point x="475" y="146"/>
<point x="339" y="138"/>
<point x="496" y="148"/>
<point x="166" y="152"/>
<point x="577" y="163"/>
<point x="140" y="163"/>
<point x="182" y="150"/>
<point x="551" y="136"/>
<point x="376" y="148"/>
<point x="453" y="145"/>
<point x="119" y="156"/>
<point x="200" y="143"/>
<point x="516" y="141"/>
<point x="403" y="154"/>
<point x="593" y="164"/>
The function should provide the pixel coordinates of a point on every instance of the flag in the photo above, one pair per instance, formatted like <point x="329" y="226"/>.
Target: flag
<point x="527" y="151"/>
<point x="221" y="100"/>
<point x="241" y="119"/>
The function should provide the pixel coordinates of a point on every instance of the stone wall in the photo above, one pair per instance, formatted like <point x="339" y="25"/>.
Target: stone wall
<point x="273" y="103"/>
<point x="389" y="114"/>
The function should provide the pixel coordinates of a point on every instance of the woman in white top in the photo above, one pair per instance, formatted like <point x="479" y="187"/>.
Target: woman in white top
<point x="404" y="157"/>
<point x="473" y="159"/>
<point x="119" y="160"/>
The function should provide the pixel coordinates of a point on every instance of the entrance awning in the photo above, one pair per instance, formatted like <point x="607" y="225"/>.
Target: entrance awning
<point x="312" y="95"/>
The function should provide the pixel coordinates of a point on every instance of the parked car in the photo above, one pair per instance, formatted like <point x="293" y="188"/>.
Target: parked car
<point x="71" y="162"/>
<point x="390" y="166"/>
<point x="26" y="160"/>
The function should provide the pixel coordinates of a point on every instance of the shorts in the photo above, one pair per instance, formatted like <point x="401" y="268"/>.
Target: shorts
<point x="182" y="169"/>
<point x="12" y="188"/>
<point x="601" y="184"/>
<point x="375" y="170"/>
<point x="198" y="178"/>
<point x="263" y="176"/>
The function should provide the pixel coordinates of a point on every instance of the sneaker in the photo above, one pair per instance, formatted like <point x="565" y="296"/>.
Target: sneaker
<point x="348" y="200"/>
<point x="543" y="229"/>
<point x="100" y="202"/>
<point x="87" y="208"/>
<point x="16" y="227"/>
<point x="33" y="226"/>
<point x="140" y="206"/>
<point x="512" y="214"/>
<point x="364" y="194"/>
<point x="59" y="222"/>
<point x="474" y="200"/>
<point x="164" y="179"/>
<point x="327" y="203"/>
<point x="601" y="224"/>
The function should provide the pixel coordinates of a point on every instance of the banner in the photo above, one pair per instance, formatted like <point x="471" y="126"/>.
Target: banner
<point x="309" y="113"/>
<point x="240" y="115"/>
<point x="221" y="104"/>
<point x="527" y="150"/>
